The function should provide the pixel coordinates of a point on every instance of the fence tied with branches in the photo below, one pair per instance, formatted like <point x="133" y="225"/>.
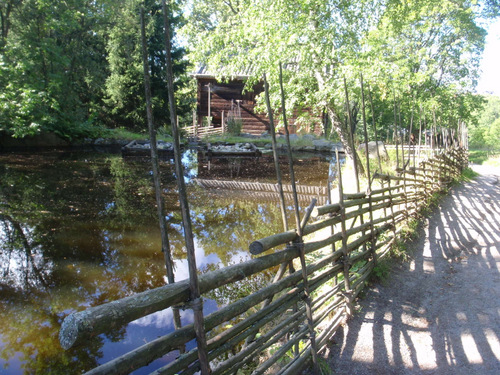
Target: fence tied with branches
<point x="268" y="331"/>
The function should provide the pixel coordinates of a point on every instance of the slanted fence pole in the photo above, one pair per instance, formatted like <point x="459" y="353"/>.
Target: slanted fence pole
<point x="376" y="140"/>
<point x="419" y="133"/>
<point x="272" y="130"/>
<point x="154" y="157"/>
<point x="223" y="123"/>
<point x="299" y="244"/>
<point x="209" y="104"/>
<point x="277" y="168"/>
<point x="396" y="129"/>
<point x="403" y="131"/>
<point x="369" y="188"/>
<point x="345" y="256"/>
<point x="374" y="127"/>
<point x="165" y="244"/>
<point x="434" y="132"/>
<point x="332" y="227"/>
<point x="356" y="169"/>
<point x="409" y="138"/>
<point x="196" y="301"/>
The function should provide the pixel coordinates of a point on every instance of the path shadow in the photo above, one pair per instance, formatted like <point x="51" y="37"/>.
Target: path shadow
<point x="439" y="313"/>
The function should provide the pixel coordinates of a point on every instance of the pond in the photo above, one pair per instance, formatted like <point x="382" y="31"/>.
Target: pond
<point x="78" y="229"/>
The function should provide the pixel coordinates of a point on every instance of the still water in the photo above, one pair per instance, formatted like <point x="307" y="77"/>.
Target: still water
<point x="78" y="229"/>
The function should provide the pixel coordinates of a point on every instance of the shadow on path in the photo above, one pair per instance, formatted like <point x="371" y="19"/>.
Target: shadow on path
<point x="439" y="313"/>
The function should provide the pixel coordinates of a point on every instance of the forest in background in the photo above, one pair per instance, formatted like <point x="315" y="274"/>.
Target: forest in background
<point x="74" y="67"/>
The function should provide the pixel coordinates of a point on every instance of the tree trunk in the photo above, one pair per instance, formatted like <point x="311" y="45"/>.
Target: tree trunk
<point x="343" y="133"/>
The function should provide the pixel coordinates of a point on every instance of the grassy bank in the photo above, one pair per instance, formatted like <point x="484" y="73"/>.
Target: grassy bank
<point x="485" y="157"/>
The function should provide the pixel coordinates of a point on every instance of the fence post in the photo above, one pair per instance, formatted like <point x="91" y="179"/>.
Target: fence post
<point x="300" y="244"/>
<point x="345" y="256"/>
<point x="396" y="129"/>
<point x="223" y="124"/>
<point x="283" y="266"/>
<point x="351" y="135"/>
<point x="369" y="189"/>
<point x="197" y="303"/>
<point x="392" y="208"/>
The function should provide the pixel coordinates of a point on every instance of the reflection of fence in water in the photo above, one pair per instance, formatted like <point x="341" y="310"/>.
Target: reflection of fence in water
<point x="272" y="330"/>
<point x="263" y="191"/>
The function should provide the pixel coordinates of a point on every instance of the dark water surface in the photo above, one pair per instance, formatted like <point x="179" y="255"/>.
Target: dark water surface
<point x="78" y="229"/>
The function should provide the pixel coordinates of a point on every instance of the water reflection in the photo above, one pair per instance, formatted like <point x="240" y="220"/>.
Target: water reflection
<point x="79" y="229"/>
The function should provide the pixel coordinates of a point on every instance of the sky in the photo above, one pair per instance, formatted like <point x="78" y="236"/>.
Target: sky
<point x="490" y="65"/>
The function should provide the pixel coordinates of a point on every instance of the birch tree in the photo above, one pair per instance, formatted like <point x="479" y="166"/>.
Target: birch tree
<point x="415" y="47"/>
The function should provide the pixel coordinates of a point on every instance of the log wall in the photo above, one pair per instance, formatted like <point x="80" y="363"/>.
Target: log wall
<point x="269" y="330"/>
<point x="226" y="96"/>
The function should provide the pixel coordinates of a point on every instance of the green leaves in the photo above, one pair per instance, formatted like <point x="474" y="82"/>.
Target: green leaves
<point x="53" y="64"/>
<point x="69" y="67"/>
<point x="124" y="85"/>
<point x="486" y="133"/>
<point x="426" y="51"/>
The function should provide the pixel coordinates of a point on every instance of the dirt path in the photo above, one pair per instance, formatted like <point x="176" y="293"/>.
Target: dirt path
<point x="439" y="313"/>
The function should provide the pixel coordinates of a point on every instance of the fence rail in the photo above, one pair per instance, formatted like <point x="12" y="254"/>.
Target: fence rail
<point x="268" y="330"/>
<point x="203" y="131"/>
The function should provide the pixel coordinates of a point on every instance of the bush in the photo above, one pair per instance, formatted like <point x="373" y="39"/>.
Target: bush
<point x="234" y="126"/>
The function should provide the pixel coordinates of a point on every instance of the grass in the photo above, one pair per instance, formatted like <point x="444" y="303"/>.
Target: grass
<point x="468" y="175"/>
<point x="382" y="270"/>
<point x="485" y="157"/>
<point x="301" y="141"/>
<point x="493" y="160"/>
<point x="121" y="133"/>
<point x="234" y="139"/>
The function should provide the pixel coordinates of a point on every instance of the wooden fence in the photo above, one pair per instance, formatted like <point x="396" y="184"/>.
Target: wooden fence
<point x="203" y="131"/>
<point x="271" y="331"/>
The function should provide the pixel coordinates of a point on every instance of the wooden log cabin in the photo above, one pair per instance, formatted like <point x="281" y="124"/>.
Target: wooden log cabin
<point x="225" y="101"/>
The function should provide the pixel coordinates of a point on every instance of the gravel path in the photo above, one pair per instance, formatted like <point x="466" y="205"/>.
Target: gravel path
<point x="440" y="312"/>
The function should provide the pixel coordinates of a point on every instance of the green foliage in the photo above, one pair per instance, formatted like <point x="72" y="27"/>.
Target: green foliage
<point x="410" y="230"/>
<point x="478" y="156"/>
<point x="382" y="270"/>
<point x="234" y="126"/>
<point x="324" y="367"/>
<point x="493" y="160"/>
<point x="125" y="84"/>
<point x="71" y="67"/>
<point x="486" y="132"/>
<point x="52" y="63"/>
<point x="432" y="202"/>
<point x="423" y="54"/>
<point x="484" y="157"/>
<point x="468" y="175"/>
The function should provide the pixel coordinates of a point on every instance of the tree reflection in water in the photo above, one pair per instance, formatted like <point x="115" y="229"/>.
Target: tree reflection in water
<point x="79" y="229"/>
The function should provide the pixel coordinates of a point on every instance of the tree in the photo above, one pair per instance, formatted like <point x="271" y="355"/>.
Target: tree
<point x="486" y="132"/>
<point x="70" y="67"/>
<point x="409" y="50"/>
<point x="51" y="65"/>
<point x="6" y="9"/>
<point x="124" y="86"/>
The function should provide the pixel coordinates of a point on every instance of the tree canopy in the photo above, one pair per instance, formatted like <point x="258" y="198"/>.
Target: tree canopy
<point x="424" y="54"/>
<point x="486" y="132"/>
<point x="72" y="67"/>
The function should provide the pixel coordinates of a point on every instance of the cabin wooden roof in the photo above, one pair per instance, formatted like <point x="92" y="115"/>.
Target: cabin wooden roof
<point x="203" y="72"/>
